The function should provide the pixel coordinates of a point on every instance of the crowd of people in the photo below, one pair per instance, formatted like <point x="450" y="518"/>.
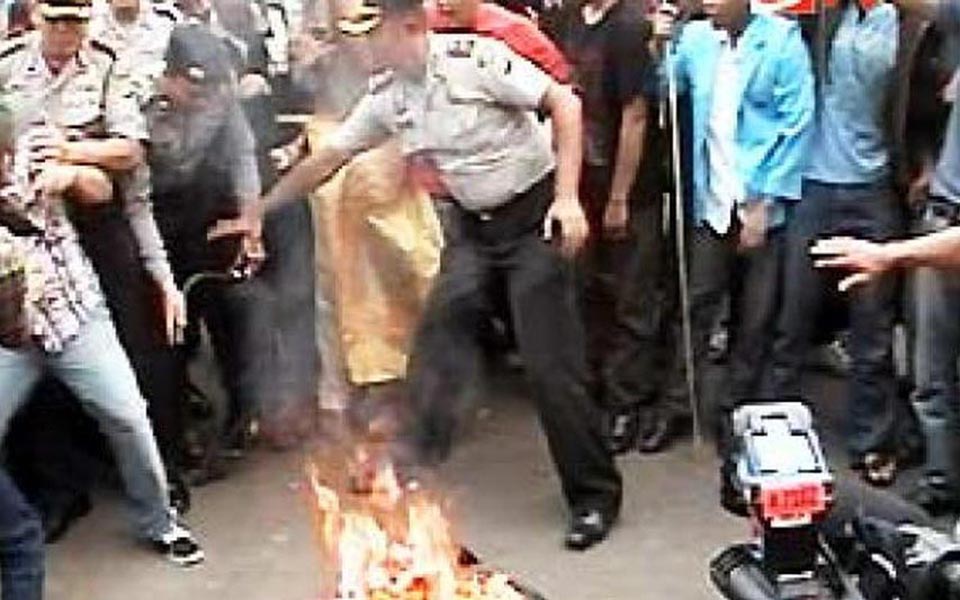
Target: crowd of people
<point x="356" y="203"/>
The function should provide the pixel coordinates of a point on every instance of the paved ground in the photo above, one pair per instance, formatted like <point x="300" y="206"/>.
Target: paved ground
<point x="506" y="506"/>
<point x="257" y="527"/>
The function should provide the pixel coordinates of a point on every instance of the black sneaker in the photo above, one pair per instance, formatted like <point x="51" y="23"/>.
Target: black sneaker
<point x="180" y="547"/>
<point x="587" y="529"/>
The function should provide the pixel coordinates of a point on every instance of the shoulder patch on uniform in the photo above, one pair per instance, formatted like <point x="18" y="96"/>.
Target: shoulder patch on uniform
<point x="496" y="55"/>
<point x="101" y="46"/>
<point x="12" y="46"/>
<point x="165" y="13"/>
<point x="379" y="81"/>
<point x="460" y="47"/>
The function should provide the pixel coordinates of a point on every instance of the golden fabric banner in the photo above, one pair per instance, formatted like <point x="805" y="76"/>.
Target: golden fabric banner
<point x="378" y="250"/>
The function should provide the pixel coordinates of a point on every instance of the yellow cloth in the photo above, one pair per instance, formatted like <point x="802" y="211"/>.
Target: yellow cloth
<point x="378" y="249"/>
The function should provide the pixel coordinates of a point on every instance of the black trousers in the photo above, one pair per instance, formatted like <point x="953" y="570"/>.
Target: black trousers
<point x="627" y="289"/>
<point x="503" y="250"/>
<point x="234" y="315"/>
<point x="752" y="281"/>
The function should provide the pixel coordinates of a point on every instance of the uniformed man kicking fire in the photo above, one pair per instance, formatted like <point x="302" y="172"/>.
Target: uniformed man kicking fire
<point x="469" y="105"/>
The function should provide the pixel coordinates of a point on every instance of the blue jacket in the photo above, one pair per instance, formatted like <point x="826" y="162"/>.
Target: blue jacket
<point x="776" y="109"/>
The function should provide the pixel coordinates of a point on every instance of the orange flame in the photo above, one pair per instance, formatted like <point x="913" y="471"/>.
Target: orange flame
<point x="416" y="560"/>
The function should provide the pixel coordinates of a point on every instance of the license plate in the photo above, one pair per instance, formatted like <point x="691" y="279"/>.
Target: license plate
<point x="793" y="501"/>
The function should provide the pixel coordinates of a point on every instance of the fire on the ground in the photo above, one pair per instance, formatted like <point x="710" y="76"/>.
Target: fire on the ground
<point x="396" y="544"/>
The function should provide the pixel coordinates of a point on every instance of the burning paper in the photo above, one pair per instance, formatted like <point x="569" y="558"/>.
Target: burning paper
<point x="396" y="544"/>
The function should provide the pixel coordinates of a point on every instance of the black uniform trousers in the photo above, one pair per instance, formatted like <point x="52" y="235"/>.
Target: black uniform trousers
<point x="502" y="252"/>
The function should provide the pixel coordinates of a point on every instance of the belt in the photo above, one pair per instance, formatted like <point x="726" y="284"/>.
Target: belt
<point x="521" y="215"/>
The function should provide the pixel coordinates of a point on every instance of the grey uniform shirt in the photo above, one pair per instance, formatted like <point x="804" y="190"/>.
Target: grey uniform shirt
<point x="472" y="114"/>
<point x="88" y="98"/>
<point x="140" y="46"/>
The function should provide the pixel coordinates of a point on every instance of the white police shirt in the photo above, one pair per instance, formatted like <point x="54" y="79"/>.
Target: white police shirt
<point x="140" y="46"/>
<point x="473" y="115"/>
<point x="89" y="98"/>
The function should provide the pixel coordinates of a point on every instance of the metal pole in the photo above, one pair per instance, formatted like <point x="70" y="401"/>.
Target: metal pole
<point x="682" y="272"/>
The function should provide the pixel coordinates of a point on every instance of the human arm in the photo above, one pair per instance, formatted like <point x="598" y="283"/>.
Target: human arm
<point x="76" y="183"/>
<point x="634" y="74"/>
<point x="122" y="149"/>
<point x="563" y="107"/>
<point x="362" y="130"/>
<point x="865" y="260"/>
<point x="780" y="171"/>
<point x="135" y="194"/>
<point x="511" y="80"/>
<point x="113" y="154"/>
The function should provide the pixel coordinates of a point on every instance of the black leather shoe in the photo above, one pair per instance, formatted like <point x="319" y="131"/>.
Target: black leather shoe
<point x="655" y="431"/>
<point x="623" y="428"/>
<point x="58" y="521"/>
<point x="587" y="529"/>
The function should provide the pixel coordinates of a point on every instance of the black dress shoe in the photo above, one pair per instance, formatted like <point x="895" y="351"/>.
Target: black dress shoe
<point x="623" y="428"/>
<point x="655" y="431"/>
<point x="587" y="529"/>
<point x="58" y="521"/>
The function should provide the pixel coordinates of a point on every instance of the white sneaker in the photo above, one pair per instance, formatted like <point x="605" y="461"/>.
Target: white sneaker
<point x="180" y="547"/>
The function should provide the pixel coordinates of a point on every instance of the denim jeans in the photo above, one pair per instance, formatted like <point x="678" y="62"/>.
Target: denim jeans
<point x="21" y="545"/>
<point x="937" y="347"/>
<point x="869" y="211"/>
<point x="98" y="372"/>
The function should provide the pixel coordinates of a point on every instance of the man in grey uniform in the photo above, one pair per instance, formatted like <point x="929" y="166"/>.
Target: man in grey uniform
<point x="468" y="104"/>
<point x="139" y="32"/>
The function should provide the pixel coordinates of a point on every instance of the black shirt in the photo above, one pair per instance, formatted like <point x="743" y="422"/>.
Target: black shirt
<point x="612" y="67"/>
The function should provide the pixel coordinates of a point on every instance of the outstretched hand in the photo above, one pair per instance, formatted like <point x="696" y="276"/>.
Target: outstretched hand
<point x="864" y="260"/>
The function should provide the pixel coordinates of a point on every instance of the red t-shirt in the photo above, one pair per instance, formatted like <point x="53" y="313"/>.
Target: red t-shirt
<point x="518" y="32"/>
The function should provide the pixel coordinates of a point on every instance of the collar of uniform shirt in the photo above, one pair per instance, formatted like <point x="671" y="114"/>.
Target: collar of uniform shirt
<point x="56" y="68"/>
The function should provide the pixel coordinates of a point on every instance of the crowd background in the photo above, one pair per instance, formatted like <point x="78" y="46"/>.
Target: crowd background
<point x="841" y="129"/>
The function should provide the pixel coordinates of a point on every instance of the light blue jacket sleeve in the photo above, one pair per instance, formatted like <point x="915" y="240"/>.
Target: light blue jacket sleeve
<point x="781" y="171"/>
